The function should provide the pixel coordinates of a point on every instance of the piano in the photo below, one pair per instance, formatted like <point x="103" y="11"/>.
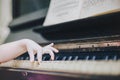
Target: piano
<point x="89" y="49"/>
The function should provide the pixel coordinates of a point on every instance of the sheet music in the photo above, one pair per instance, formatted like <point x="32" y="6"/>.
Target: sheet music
<point x="67" y="10"/>
<point x="63" y="11"/>
<point x="96" y="7"/>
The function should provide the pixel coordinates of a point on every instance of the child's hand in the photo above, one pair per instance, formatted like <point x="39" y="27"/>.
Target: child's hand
<point x="33" y="48"/>
<point x="48" y="49"/>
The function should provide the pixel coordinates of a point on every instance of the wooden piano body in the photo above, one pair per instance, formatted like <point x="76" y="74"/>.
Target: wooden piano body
<point x="89" y="49"/>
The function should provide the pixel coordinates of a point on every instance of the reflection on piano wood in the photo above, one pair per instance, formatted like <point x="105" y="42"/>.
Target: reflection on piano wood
<point x="75" y="59"/>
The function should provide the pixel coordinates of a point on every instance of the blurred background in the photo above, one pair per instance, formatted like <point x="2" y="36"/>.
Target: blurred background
<point x="11" y="11"/>
<point x="20" y="18"/>
<point x="5" y="18"/>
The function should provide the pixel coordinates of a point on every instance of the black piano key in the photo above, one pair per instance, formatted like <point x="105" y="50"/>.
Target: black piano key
<point x="87" y="57"/>
<point x="64" y="58"/>
<point x="44" y="58"/>
<point x="70" y="58"/>
<point x="60" y="57"/>
<point x="106" y="57"/>
<point x="47" y="59"/>
<point x="94" y="57"/>
<point x="36" y="58"/>
<point x="27" y="58"/>
<point x="18" y="58"/>
<point x="56" y="58"/>
<point x="76" y="58"/>
<point x="21" y="58"/>
<point x="114" y="57"/>
<point x="78" y="55"/>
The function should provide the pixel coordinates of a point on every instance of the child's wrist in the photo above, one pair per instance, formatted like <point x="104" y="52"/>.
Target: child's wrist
<point x="24" y="42"/>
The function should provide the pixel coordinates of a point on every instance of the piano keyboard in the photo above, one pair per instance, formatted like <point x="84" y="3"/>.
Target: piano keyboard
<point x="102" y="68"/>
<point x="71" y="55"/>
<point x="99" y="61"/>
<point x="70" y="51"/>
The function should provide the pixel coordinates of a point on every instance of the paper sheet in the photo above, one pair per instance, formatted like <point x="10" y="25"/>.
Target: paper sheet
<point x="67" y="10"/>
<point x="63" y="11"/>
<point x="96" y="7"/>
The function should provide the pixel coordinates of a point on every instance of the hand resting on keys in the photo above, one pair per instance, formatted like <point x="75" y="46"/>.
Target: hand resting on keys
<point x="14" y="49"/>
<point x="33" y="48"/>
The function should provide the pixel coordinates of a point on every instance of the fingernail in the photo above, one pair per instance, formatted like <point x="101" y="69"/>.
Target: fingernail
<point x="31" y="60"/>
<point x="57" y="50"/>
<point x="52" y="59"/>
<point x="52" y="44"/>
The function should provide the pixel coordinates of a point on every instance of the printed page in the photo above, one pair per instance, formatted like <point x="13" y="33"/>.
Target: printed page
<point x="67" y="10"/>
<point x="98" y="7"/>
<point x="62" y="11"/>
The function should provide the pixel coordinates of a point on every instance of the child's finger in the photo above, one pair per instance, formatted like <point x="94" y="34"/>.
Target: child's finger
<point x="51" y="54"/>
<point x="39" y="56"/>
<point x="54" y="49"/>
<point x="51" y="44"/>
<point x="31" y="54"/>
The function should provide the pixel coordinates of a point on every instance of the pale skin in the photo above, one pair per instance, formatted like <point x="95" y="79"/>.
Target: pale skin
<point x="14" y="49"/>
